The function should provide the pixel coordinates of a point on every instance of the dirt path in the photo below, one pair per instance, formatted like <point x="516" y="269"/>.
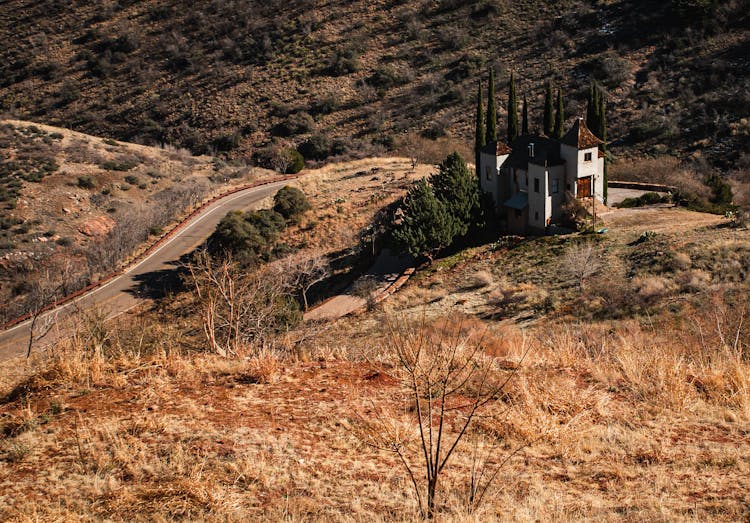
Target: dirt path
<point x="383" y="274"/>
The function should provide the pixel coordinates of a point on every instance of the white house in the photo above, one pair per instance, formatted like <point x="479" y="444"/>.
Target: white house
<point x="531" y="180"/>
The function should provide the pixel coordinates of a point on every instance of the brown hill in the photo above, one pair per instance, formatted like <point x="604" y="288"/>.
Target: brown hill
<point x="75" y="206"/>
<point x="230" y="75"/>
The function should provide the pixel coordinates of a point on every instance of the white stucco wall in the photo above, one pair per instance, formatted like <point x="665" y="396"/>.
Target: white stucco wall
<point x="577" y="167"/>
<point x="540" y="203"/>
<point x="557" y="200"/>
<point x="491" y="184"/>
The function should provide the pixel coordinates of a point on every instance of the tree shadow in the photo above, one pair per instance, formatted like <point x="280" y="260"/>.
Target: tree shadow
<point x="156" y="285"/>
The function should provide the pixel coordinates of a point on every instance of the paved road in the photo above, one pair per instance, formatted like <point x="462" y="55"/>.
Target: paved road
<point x="122" y="293"/>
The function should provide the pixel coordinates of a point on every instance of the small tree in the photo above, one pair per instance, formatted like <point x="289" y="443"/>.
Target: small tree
<point x="512" y="110"/>
<point x="491" y="110"/>
<point x="291" y="203"/>
<point x="448" y="381"/>
<point x="427" y="225"/>
<point x="593" y="108"/>
<point x="548" y="110"/>
<point x="580" y="262"/>
<point x="559" y="117"/>
<point x="43" y="294"/>
<point x="525" y="117"/>
<point x="304" y="271"/>
<point x="238" y="308"/>
<point x="287" y="161"/>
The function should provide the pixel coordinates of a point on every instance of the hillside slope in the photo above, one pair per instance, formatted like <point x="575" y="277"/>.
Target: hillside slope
<point x="628" y="396"/>
<point x="230" y="75"/>
<point x="73" y="206"/>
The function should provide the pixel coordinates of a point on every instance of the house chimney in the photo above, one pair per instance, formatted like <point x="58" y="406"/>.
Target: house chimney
<point x="531" y="150"/>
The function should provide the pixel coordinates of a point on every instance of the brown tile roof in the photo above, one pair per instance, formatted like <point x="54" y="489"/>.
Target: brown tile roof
<point x="497" y="148"/>
<point x="579" y="136"/>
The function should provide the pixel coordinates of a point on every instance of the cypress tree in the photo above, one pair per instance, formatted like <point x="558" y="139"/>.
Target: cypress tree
<point x="525" y="118"/>
<point x="592" y="107"/>
<point x="548" y="121"/>
<point x="603" y="135"/>
<point x="480" y="138"/>
<point x="559" y="117"/>
<point x="512" y="110"/>
<point x="491" y="111"/>
<point x="601" y="120"/>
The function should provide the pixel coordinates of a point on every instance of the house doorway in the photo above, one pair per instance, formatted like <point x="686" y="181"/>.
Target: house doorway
<point x="583" y="189"/>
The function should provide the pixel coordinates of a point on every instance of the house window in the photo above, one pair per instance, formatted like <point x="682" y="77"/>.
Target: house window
<point x="536" y="216"/>
<point x="555" y="186"/>
<point x="587" y="157"/>
<point x="488" y="173"/>
<point x="536" y="184"/>
<point x="518" y="213"/>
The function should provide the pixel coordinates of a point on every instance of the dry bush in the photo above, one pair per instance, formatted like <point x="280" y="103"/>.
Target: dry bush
<point x="680" y="262"/>
<point x="653" y="287"/>
<point x="693" y="280"/>
<point x="666" y="170"/>
<point x="480" y="280"/>
<point x="580" y="262"/>
<point x="241" y="308"/>
<point x="700" y="365"/>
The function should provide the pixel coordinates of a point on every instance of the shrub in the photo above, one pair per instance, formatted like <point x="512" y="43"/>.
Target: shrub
<point x="320" y="147"/>
<point x="294" y="124"/>
<point x="86" y="182"/>
<point x="124" y="165"/>
<point x="291" y="203"/>
<point x="132" y="179"/>
<point x="649" y="198"/>
<point x="343" y="62"/>
<point x="610" y="69"/>
<point x="296" y="162"/>
<point x="248" y="236"/>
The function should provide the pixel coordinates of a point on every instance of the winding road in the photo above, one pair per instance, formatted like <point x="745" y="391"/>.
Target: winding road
<point x="123" y="292"/>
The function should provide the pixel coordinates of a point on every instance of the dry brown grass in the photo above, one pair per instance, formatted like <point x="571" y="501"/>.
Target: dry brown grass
<point x="623" y="422"/>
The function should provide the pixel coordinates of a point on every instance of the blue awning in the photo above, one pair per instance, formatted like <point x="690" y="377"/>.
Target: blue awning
<point x="519" y="201"/>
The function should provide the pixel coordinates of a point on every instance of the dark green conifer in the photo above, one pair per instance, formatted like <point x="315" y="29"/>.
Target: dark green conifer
<point x="512" y="110"/>
<point x="491" y="110"/>
<point x="592" y="107"/>
<point x="525" y="118"/>
<point x="455" y="186"/>
<point x="480" y="139"/>
<point x="428" y="225"/>
<point x="603" y="135"/>
<point x="559" y="117"/>
<point x="548" y="119"/>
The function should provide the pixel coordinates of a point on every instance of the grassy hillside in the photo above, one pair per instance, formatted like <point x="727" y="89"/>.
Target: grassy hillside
<point x="629" y="390"/>
<point x="231" y="75"/>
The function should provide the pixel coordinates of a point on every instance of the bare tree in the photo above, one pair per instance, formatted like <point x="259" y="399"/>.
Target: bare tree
<point x="281" y="159"/>
<point x="580" y="262"/>
<point x="448" y="380"/>
<point x="303" y="271"/>
<point x="44" y="293"/>
<point x="239" y="308"/>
